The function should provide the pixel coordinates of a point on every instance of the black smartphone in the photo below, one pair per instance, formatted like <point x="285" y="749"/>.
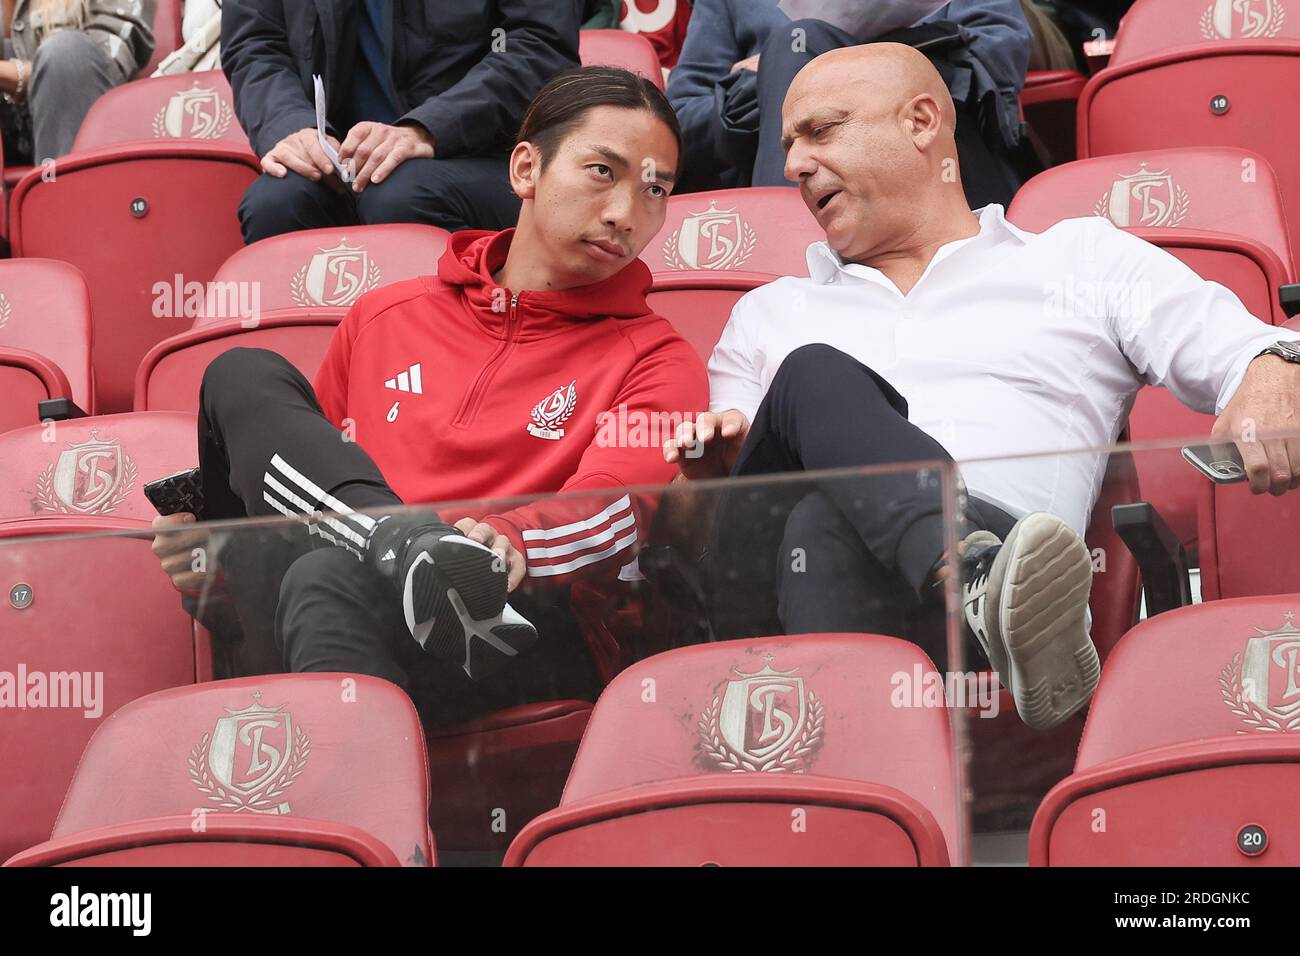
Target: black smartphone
<point x="177" y="493"/>
<point x="1219" y="463"/>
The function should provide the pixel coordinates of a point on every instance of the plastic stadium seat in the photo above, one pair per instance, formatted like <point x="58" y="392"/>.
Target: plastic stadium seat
<point x="1222" y="92"/>
<point x="93" y="466"/>
<point x="331" y="268"/>
<point x="698" y="304"/>
<point x="1217" y="209"/>
<point x="171" y="372"/>
<point x="1156" y="26"/>
<point x="631" y="51"/>
<point x="1191" y="740"/>
<point x="330" y="766"/>
<point x="1049" y="101"/>
<point x="90" y="606"/>
<point x="514" y="761"/>
<point x="167" y="20"/>
<point x="785" y="751"/>
<point x="195" y="106"/>
<point x="763" y="229"/>
<point x="300" y="284"/>
<point x="44" y="311"/>
<point x="133" y="217"/>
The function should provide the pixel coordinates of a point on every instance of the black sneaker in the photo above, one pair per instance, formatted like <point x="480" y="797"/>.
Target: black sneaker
<point x="453" y="594"/>
<point x="1026" y="601"/>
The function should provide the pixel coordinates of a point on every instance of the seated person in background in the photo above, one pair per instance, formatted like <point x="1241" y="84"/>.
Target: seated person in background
<point x="741" y="55"/>
<point x="662" y="22"/>
<point x="423" y="94"/>
<point x="923" y="320"/>
<point x="549" y="317"/>
<point x="61" y="56"/>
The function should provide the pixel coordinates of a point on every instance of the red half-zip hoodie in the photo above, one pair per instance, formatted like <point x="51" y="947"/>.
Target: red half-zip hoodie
<point x="460" y="389"/>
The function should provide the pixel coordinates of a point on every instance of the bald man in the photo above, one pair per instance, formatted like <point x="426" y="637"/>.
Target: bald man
<point x="928" y="332"/>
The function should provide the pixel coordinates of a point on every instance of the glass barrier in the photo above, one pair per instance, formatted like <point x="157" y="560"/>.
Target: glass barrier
<point x="714" y="621"/>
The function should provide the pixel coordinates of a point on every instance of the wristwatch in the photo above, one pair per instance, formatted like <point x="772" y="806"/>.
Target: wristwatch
<point x="1284" y="350"/>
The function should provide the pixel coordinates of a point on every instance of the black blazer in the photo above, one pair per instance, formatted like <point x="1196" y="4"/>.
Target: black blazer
<point x="463" y="69"/>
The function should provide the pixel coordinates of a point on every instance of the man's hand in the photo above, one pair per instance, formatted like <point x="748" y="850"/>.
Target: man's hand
<point x="1266" y="403"/>
<point x="176" y="552"/>
<point x="708" y="446"/>
<point x="301" y="153"/>
<point x="516" y="565"/>
<point x="376" y="150"/>
<point x="748" y="63"/>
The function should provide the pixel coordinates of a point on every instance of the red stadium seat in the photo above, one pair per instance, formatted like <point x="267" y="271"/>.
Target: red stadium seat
<point x="45" y="311"/>
<point x="82" y="605"/>
<point x="331" y="268"/>
<point x="785" y="751"/>
<point x="171" y="372"/>
<point x="93" y="466"/>
<point x="167" y="38"/>
<point x="631" y="51"/>
<point x="1190" y="740"/>
<point x="1050" y="100"/>
<point x="300" y="285"/>
<point x="332" y="767"/>
<point x="495" y="774"/>
<point x="698" y="304"/>
<point x="196" y="106"/>
<point x="1156" y="26"/>
<point x="1217" y="209"/>
<point x="1222" y="92"/>
<point x="133" y="217"/>
<point x="765" y="229"/>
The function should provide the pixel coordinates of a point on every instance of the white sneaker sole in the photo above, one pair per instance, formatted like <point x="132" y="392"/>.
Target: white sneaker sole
<point x="1042" y="615"/>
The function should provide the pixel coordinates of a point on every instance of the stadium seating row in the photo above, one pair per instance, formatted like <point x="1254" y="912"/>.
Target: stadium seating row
<point x="795" y="755"/>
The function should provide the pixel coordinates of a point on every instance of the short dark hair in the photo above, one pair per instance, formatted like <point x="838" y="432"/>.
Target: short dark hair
<point x="561" y="104"/>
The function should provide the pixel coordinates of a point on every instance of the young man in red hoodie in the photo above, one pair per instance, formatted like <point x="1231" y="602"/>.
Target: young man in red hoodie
<point x="487" y="380"/>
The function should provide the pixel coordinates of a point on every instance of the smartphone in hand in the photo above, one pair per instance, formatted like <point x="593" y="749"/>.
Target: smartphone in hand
<point x="176" y="493"/>
<point x="1220" y="463"/>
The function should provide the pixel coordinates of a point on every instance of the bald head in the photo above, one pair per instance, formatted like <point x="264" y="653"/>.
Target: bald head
<point x="869" y="134"/>
<point x="886" y="75"/>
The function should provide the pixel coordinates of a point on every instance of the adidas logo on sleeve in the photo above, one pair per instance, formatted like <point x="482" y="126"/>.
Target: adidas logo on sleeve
<point x="408" y="381"/>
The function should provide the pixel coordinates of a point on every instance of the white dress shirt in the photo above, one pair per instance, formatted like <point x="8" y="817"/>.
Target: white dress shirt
<point x="1011" y="344"/>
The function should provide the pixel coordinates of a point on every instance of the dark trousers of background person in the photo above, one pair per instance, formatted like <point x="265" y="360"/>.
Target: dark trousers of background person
<point x="67" y="75"/>
<point x="987" y="171"/>
<point x="304" y="604"/>
<point x="852" y="553"/>
<point x="471" y="192"/>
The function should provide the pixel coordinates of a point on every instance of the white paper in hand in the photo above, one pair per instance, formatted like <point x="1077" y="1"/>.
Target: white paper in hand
<point x="345" y="172"/>
<point x="862" y="19"/>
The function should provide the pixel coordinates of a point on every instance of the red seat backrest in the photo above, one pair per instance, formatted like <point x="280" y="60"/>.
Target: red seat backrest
<point x="1219" y="189"/>
<point x="97" y="607"/>
<point x="631" y="51"/>
<point x="196" y="106"/>
<point x="328" y="268"/>
<point x="93" y="466"/>
<point x="834" y="694"/>
<point x="1156" y="26"/>
<point x="45" y="308"/>
<point x="1208" y="670"/>
<point x="167" y="21"/>
<point x="133" y="217"/>
<point x="698" y="304"/>
<point x="332" y="747"/>
<point x="764" y="229"/>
